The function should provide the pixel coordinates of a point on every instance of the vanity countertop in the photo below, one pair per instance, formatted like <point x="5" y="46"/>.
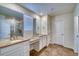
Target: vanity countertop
<point x="6" y="43"/>
<point x="34" y="39"/>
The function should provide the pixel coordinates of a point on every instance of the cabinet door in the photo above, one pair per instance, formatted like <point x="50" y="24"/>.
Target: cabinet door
<point x="44" y="25"/>
<point x="40" y="43"/>
<point x="38" y="26"/>
<point x="21" y="49"/>
<point x="44" y="41"/>
<point x="48" y="39"/>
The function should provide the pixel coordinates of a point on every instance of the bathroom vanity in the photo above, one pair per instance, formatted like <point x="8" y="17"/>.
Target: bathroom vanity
<point x="40" y="34"/>
<point x="38" y="43"/>
<point x="20" y="33"/>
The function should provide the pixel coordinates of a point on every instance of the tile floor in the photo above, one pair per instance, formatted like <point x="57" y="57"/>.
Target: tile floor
<point x="54" y="50"/>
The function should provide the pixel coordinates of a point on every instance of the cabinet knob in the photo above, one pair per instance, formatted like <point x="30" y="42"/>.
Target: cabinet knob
<point x="77" y="36"/>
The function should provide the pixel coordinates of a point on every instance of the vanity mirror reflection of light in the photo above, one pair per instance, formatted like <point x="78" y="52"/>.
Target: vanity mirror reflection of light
<point x="28" y="26"/>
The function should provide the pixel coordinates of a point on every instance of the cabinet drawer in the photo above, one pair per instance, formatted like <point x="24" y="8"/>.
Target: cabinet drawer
<point x="21" y="50"/>
<point x="10" y="48"/>
<point x="17" y="52"/>
<point x="10" y="53"/>
<point x="16" y="47"/>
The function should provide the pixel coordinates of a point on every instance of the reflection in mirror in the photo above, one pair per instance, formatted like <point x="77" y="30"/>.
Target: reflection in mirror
<point x="4" y="28"/>
<point x="34" y="27"/>
<point x="11" y="23"/>
<point x="10" y="27"/>
<point x="28" y="26"/>
<point x="16" y="28"/>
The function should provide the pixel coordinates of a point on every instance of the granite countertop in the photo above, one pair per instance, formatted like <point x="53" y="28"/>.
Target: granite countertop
<point x="35" y="38"/>
<point x="8" y="42"/>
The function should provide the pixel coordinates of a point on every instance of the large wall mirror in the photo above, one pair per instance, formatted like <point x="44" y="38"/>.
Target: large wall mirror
<point x="11" y="24"/>
<point x="10" y="27"/>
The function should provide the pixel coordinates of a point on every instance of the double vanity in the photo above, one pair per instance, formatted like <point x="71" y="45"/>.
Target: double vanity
<point x="21" y="41"/>
<point x="20" y="33"/>
<point x="38" y="43"/>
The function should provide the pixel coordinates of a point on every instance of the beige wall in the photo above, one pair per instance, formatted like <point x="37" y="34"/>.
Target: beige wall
<point x="49" y="28"/>
<point x="68" y="29"/>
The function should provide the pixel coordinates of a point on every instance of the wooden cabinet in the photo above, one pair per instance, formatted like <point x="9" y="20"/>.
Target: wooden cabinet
<point x="41" y="29"/>
<point x="44" y="41"/>
<point x="41" y="25"/>
<point x="44" y="25"/>
<point x="38" y="25"/>
<point x="20" y="49"/>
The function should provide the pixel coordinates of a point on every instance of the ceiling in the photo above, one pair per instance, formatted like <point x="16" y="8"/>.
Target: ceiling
<point x="49" y="8"/>
<point x="9" y="12"/>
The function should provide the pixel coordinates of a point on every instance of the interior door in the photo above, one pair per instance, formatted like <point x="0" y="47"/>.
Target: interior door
<point x="59" y="32"/>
